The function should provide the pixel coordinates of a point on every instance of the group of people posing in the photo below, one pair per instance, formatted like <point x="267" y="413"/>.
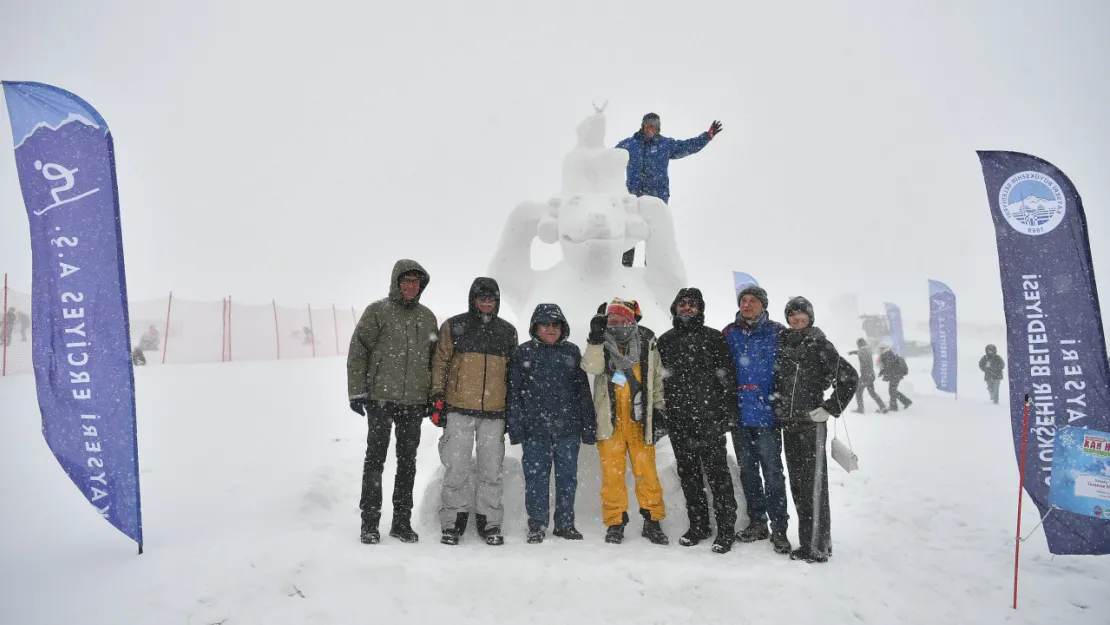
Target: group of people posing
<point x="762" y="381"/>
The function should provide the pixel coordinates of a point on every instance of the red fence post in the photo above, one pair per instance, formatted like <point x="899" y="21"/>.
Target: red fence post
<point x="277" y="333"/>
<point x="312" y="330"/>
<point x="229" y="342"/>
<point x="4" y="331"/>
<point x="223" y="330"/>
<point x="335" y="324"/>
<point x="166" y="339"/>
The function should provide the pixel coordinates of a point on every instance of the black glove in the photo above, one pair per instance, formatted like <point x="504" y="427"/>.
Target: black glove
<point x="597" y="329"/>
<point x="714" y="128"/>
<point x="359" y="406"/>
<point x="658" y="425"/>
<point x="437" y="410"/>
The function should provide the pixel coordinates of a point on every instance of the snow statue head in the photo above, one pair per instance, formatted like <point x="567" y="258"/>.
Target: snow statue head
<point x="594" y="220"/>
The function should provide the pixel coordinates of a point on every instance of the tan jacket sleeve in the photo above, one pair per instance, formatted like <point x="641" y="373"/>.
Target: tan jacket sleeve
<point x="363" y="341"/>
<point x="445" y="351"/>
<point x="655" y="364"/>
<point x="593" y="361"/>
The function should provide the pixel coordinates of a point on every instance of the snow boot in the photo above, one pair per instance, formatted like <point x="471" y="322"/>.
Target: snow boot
<point x="452" y="534"/>
<point x="808" y="556"/>
<point x="754" y="532"/>
<point x="652" y="530"/>
<point x="535" y="537"/>
<point x="403" y="531"/>
<point x="568" y="533"/>
<point x="370" y="536"/>
<point x="490" y="534"/>
<point x="693" y="537"/>
<point x="781" y="543"/>
<point x="615" y="534"/>
<point x="724" y="541"/>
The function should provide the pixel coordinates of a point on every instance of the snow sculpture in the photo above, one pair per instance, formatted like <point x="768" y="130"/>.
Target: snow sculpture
<point x="594" y="220"/>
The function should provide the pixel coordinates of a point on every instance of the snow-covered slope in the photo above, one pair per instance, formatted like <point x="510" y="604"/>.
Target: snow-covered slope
<point x="250" y="488"/>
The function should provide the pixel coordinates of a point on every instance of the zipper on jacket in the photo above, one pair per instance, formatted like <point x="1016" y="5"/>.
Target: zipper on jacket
<point x="797" y="369"/>
<point x="643" y="167"/>
<point x="485" y="367"/>
<point x="408" y="347"/>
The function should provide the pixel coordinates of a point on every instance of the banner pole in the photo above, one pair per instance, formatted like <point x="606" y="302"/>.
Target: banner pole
<point x="229" y="343"/>
<point x="277" y="333"/>
<point x="312" y="330"/>
<point x="1021" y="485"/>
<point x="4" y="331"/>
<point x="335" y="325"/>
<point x="166" y="339"/>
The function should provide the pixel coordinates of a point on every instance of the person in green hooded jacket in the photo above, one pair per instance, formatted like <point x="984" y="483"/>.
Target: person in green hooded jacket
<point x="388" y="376"/>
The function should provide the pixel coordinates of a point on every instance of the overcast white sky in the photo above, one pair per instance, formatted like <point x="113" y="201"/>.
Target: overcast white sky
<point x="297" y="149"/>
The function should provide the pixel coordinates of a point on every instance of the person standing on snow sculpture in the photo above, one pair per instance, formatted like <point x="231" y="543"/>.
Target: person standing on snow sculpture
<point x="892" y="368"/>
<point x="470" y="380"/>
<point x="551" y="414"/>
<point x="700" y="391"/>
<point x="628" y="401"/>
<point x="866" y="376"/>
<point x="992" y="367"/>
<point x="388" y="375"/>
<point x="649" y="156"/>
<point x="753" y="341"/>
<point x="806" y="366"/>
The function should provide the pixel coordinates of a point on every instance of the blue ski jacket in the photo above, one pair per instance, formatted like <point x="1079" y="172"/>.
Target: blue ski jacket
<point x="754" y="347"/>
<point x="648" y="160"/>
<point x="549" y="393"/>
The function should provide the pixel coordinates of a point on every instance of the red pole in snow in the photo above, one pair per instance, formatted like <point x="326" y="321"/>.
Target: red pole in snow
<point x="166" y="338"/>
<point x="312" y="330"/>
<point x="4" y="331"/>
<point x="1021" y="485"/>
<point x="277" y="333"/>
<point x="229" y="343"/>
<point x="335" y="325"/>
<point x="223" y="331"/>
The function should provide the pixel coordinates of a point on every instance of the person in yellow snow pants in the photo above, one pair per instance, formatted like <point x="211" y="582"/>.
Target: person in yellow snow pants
<point x="629" y="407"/>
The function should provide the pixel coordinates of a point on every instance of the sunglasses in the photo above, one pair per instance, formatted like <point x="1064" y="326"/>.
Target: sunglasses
<point x="688" y="302"/>
<point x="410" y="280"/>
<point x="550" y="324"/>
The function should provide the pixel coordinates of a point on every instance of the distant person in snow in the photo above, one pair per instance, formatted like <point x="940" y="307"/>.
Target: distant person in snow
<point x="470" y="376"/>
<point x="992" y="367"/>
<point x="628" y="400"/>
<point x="650" y="154"/>
<point x="754" y="342"/>
<point x="150" y="340"/>
<point x="892" y="368"/>
<point x="551" y="414"/>
<point x="700" y="391"/>
<point x="866" y="376"/>
<point x="388" y="375"/>
<point x="10" y="318"/>
<point x="806" y="366"/>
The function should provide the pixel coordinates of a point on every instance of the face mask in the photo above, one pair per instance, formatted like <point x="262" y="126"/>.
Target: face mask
<point x="684" y="320"/>
<point x="622" y="334"/>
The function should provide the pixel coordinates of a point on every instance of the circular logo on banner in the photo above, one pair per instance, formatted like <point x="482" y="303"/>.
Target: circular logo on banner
<point x="1032" y="203"/>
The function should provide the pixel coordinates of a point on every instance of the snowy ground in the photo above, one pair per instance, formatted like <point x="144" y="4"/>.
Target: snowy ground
<point x="250" y="488"/>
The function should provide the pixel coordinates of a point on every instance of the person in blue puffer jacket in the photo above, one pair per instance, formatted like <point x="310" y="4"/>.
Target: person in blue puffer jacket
<point x="754" y="342"/>
<point x="650" y="154"/>
<point x="550" y="412"/>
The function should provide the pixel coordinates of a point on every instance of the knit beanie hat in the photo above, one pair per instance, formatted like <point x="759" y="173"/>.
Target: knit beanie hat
<point x="622" y="308"/>
<point x="757" y="292"/>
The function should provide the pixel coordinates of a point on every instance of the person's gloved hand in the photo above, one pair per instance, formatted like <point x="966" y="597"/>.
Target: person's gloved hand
<point x="714" y="128"/>
<point x="819" y="415"/>
<point x="359" y="406"/>
<point x="597" y="329"/>
<point x="437" y="407"/>
<point x="658" y="425"/>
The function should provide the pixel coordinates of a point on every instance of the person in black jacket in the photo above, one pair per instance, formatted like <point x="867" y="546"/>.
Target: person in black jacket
<point x="806" y="366"/>
<point x="551" y="413"/>
<point x="992" y="367"/>
<point x="702" y="405"/>
<point x="892" y="368"/>
<point x="866" y="376"/>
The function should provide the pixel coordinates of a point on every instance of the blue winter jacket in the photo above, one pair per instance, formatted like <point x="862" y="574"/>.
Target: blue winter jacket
<point x="754" y="347"/>
<point x="549" y="393"/>
<point x="648" y="160"/>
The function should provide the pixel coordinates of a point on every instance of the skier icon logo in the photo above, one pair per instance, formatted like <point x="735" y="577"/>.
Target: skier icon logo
<point x="1032" y="203"/>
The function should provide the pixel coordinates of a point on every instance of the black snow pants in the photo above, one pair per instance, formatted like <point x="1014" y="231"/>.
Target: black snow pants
<point x="696" y="458"/>
<point x="806" y="462"/>
<point x="407" y="421"/>
<point x="897" y="396"/>
<point x="869" y="385"/>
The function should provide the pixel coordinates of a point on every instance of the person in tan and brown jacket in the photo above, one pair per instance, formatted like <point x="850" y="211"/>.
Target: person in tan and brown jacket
<point x="470" y="376"/>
